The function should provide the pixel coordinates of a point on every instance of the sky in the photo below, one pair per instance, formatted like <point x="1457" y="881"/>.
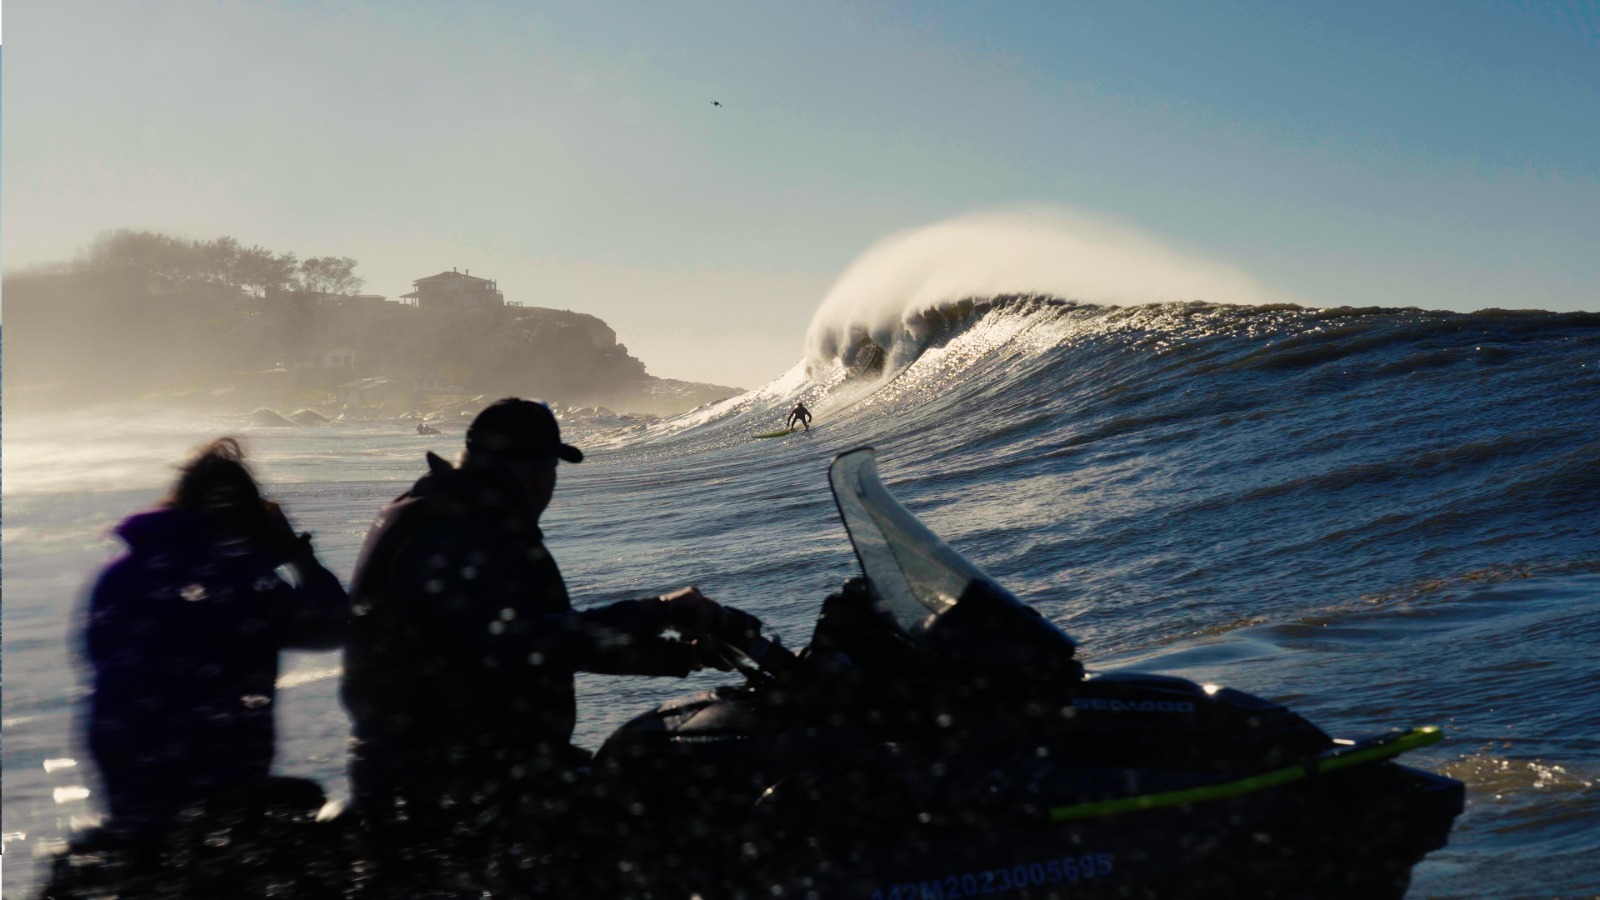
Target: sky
<point x="1444" y="155"/>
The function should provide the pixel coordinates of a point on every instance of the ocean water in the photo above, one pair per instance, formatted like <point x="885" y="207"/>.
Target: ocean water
<point x="1382" y="517"/>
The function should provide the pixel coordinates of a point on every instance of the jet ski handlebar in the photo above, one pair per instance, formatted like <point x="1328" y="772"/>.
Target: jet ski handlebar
<point x="740" y="643"/>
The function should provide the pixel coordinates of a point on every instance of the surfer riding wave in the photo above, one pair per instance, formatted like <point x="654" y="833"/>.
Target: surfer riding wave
<point x="799" y="416"/>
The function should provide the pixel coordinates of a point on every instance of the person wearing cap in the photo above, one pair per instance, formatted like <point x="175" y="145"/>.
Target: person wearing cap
<point x="458" y="674"/>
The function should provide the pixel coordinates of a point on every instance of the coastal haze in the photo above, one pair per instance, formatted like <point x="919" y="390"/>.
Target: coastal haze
<point x="1257" y="345"/>
<point x="151" y="320"/>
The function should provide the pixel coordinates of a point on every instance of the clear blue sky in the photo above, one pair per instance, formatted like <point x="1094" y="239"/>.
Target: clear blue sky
<point x="1437" y="154"/>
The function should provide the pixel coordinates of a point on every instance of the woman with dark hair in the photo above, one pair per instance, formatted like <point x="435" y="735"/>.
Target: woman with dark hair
<point x="183" y="634"/>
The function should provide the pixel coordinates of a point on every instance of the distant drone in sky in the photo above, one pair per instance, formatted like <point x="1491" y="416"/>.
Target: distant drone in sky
<point x="716" y="103"/>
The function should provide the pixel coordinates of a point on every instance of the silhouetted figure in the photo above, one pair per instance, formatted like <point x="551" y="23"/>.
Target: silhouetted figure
<point x="184" y="632"/>
<point x="799" y="416"/>
<point x="459" y="671"/>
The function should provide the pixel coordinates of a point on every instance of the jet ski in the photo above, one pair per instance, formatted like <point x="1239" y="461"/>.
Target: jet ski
<point x="937" y="739"/>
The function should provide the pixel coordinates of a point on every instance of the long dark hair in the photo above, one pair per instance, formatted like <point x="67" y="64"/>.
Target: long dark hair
<point x="216" y="483"/>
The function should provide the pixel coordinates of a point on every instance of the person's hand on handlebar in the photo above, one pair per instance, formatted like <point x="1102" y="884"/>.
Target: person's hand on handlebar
<point x="692" y="614"/>
<point x="719" y="636"/>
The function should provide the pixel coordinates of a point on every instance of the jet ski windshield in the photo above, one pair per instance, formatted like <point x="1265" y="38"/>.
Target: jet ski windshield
<point x="914" y="574"/>
<point x="933" y="595"/>
<point x="917" y="575"/>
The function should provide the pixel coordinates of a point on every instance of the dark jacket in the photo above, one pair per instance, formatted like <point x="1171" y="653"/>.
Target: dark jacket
<point x="183" y="635"/>
<point x="459" y="670"/>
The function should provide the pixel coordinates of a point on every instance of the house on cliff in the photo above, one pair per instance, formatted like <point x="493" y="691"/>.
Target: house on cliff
<point x="455" y="290"/>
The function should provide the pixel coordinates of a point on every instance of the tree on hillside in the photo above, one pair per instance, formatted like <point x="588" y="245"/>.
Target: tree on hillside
<point x="155" y="255"/>
<point x="220" y="263"/>
<point x="258" y="270"/>
<point x="329" y="275"/>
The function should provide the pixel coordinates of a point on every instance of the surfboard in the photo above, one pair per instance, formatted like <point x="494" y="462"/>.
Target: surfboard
<point x="773" y="434"/>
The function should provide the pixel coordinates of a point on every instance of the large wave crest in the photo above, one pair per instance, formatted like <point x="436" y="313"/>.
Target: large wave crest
<point x="911" y="287"/>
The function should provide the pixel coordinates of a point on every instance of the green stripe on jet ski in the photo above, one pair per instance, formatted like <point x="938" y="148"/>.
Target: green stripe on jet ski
<point x="1343" y="757"/>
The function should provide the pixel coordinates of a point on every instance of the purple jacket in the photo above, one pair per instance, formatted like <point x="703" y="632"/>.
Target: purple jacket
<point x="183" y="634"/>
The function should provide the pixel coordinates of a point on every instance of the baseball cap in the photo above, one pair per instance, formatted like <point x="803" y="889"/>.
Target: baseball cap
<point x="516" y="429"/>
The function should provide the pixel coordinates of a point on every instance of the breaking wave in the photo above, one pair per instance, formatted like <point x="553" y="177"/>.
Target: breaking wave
<point x="910" y="289"/>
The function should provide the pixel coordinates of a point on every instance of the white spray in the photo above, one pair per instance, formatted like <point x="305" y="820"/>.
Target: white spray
<point x="883" y="296"/>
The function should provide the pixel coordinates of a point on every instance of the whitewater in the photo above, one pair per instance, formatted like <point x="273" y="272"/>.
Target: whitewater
<point x="1381" y="516"/>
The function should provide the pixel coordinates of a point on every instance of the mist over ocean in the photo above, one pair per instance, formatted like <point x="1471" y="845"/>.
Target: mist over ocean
<point x="1383" y="517"/>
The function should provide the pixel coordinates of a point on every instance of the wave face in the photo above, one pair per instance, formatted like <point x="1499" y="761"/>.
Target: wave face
<point x="1369" y="448"/>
